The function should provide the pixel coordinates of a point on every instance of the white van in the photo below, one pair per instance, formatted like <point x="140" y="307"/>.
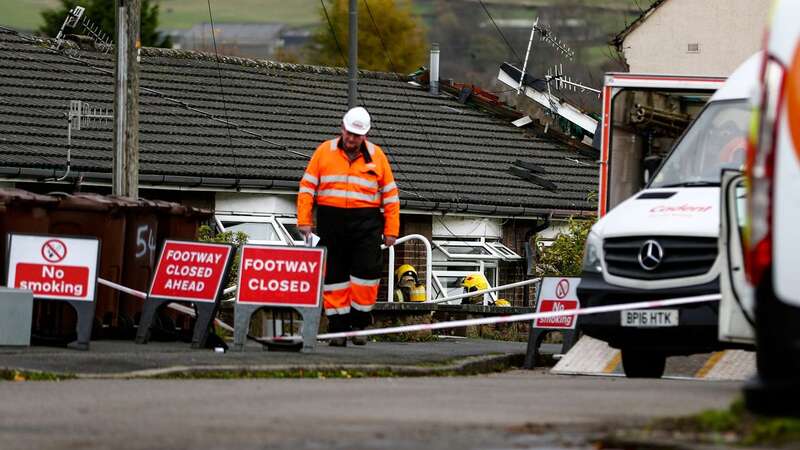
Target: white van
<point x="662" y="242"/>
<point x="769" y="247"/>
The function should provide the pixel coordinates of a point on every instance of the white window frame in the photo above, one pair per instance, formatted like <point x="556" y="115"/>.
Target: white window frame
<point x="283" y="240"/>
<point x="497" y="250"/>
<point x="293" y="221"/>
<point x="502" y="249"/>
<point x="470" y="244"/>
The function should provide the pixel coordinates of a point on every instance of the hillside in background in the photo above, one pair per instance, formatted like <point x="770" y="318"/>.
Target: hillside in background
<point x="26" y="14"/>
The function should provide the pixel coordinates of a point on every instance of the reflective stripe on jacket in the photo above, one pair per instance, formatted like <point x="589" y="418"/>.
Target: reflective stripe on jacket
<point x="333" y="180"/>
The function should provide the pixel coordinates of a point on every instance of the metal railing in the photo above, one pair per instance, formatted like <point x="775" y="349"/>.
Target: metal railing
<point x="428" y="265"/>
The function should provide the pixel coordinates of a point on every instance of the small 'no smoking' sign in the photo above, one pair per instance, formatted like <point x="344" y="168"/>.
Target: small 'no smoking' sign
<point x="557" y="294"/>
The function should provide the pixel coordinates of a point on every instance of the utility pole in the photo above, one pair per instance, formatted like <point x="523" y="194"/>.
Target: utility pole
<point x="352" y="69"/>
<point x="125" y="170"/>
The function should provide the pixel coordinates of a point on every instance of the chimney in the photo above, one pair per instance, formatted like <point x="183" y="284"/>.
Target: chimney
<point x="434" y="71"/>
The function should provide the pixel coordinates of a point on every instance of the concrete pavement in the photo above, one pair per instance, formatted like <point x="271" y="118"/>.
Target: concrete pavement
<point x="124" y="359"/>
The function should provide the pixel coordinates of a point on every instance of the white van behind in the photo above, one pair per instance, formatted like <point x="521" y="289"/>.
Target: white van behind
<point x="662" y="242"/>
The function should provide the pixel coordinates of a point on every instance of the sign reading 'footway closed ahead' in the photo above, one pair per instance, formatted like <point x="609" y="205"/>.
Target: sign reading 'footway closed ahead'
<point x="190" y="271"/>
<point x="280" y="276"/>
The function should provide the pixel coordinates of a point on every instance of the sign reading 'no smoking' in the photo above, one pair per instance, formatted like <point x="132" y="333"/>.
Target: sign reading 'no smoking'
<point x="557" y="294"/>
<point x="53" y="268"/>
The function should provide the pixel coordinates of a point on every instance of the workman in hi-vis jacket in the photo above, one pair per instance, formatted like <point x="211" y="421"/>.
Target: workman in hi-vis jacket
<point x="350" y="179"/>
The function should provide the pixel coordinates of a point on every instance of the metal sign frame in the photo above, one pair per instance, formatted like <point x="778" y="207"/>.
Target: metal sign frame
<point x="206" y="310"/>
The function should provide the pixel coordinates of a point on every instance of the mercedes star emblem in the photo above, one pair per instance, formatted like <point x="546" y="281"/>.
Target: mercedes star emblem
<point x="650" y="255"/>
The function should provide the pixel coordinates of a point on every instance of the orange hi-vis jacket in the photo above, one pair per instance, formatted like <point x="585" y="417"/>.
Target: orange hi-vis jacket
<point x="338" y="182"/>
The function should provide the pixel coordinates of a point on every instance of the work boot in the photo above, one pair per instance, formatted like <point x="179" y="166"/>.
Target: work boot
<point x="338" y="323"/>
<point x="360" y="320"/>
<point x="338" y="342"/>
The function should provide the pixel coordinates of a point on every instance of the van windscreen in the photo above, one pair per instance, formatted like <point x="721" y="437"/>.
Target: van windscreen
<point x="716" y="140"/>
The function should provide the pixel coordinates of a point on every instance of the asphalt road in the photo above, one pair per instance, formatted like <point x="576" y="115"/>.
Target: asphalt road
<point x="519" y="409"/>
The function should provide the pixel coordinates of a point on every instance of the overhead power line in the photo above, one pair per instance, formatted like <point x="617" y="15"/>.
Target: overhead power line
<point x="222" y="93"/>
<point x="499" y="31"/>
<point x="363" y="100"/>
<point x="410" y="104"/>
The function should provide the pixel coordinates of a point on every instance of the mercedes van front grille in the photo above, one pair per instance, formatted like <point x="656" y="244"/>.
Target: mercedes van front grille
<point x="659" y="257"/>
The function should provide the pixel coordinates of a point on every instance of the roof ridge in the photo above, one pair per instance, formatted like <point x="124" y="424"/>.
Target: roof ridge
<point x="155" y="52"/>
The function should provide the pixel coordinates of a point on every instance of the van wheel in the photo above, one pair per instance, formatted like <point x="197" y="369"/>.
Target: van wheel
<point x="643" y="364"/>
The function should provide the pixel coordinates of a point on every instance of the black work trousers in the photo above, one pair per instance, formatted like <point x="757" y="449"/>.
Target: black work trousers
<point x="353" y="238"/>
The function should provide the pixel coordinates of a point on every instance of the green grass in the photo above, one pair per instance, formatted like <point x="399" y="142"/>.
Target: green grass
<point x="18" y="375"/>
<point x="26" y="14"/>
<point x="268" y="374"/>
<point x="185" y="13"/>
<point x="322" y="374"/>
<point x="737" y="424"/>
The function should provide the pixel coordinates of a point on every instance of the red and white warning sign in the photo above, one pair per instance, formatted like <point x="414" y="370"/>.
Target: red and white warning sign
<point x="281" y="276"/>
<point x="190" y="271"/>
<point x="53" y="267"/>
<point x="557" y="294"/>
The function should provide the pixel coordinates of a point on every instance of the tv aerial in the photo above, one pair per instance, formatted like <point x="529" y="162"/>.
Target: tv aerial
<point x="75" y="19"/>
<point x="556" y="74"/>
<point x="81" y="115"/>
<point x="541" y="89"/>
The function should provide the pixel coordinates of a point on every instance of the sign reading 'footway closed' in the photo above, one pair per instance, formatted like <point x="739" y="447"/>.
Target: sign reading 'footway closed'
<point x="280" y="276"/>
<point x="190" y="271"/>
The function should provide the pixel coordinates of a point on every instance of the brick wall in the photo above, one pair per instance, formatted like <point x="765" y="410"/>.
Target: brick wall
<point x="511" y="272"/>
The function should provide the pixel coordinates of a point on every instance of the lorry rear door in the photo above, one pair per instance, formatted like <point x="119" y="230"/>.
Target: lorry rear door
<point x="643" y="115"/>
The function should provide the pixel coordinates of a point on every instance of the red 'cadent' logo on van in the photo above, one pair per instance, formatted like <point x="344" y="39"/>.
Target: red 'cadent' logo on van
<point x="680" y="209"/>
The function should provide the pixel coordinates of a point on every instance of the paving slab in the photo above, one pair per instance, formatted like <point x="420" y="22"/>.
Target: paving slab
<point x="115" y="359"/>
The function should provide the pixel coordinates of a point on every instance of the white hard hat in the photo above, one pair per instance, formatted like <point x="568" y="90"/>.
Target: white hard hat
<point x="357" y="121"/>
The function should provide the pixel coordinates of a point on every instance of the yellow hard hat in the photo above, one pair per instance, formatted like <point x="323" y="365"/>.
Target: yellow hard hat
<point x="475" y="282"/>
<point x="502" y="302"/>
<point x="406" y="269"/>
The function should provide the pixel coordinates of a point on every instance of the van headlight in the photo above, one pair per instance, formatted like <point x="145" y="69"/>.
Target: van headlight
<point x="592" y="254"/>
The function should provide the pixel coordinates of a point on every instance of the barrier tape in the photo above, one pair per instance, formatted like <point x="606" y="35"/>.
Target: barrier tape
<point x="456" y="323"/>
<point x="143" y="296"/>
<point x="519" y="317"/>
<point x="121" y="288"/>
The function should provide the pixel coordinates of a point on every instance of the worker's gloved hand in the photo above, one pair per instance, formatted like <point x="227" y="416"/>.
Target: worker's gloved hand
<point x="304" y="229"/>
<point x="389" y="240"/>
